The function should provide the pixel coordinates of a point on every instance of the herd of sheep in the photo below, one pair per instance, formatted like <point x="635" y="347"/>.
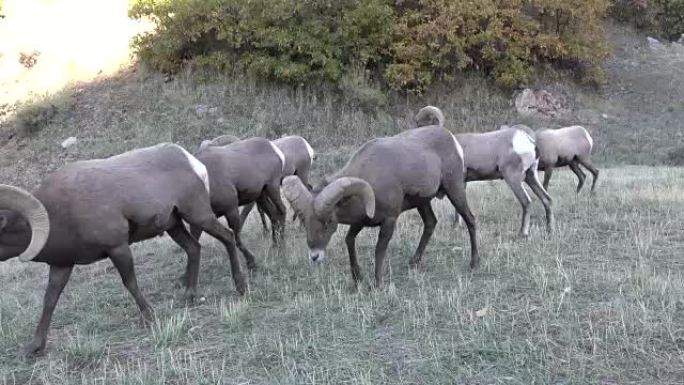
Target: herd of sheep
<point x="94" y="209"/>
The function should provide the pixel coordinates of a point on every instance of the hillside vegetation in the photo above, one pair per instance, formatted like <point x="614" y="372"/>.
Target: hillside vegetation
<point x="600" y="301"/>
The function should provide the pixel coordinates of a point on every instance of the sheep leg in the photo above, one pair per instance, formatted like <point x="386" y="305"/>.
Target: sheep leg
<point x="548" y="172"/>
<point x="581" y="176"/>
<point x="123" y="261"/>
<point x="247" y="209"/>
<point x="458" y="221"/>
<point x="279" y="212"/>
<point x="350" y="240"/>
<point x="532" y="180"/>
<point x="457" y="196"/>
<point x="386" y="232"/>
<point x="514" y="181"/>
<point x="429" y="224"/>
<point x="213" y="227"/>
<point x="59" y="276"/>
<point x="233" y="219"/>
<point x="586" y="162"/>
<point x="192" y="248"/>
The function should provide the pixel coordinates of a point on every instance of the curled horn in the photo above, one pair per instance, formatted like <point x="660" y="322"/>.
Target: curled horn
<point x="297" y="194"/>
<point x="33" y="211"/>
<point x="428" y="114"/>
<point x="341" y="188"/>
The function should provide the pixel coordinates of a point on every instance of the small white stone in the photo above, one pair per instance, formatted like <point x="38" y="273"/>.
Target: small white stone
<point x="69" y="142"/>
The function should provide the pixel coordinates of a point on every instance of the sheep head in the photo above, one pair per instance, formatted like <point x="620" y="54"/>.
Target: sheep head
<point x="317" y="209"/>
<point x="24" y="224"/>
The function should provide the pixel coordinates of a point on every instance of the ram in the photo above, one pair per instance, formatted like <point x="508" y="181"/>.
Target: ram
<point x="91" y="210"/>
<point x="508" y="153"/>
<point x="241" y="173"/>
<point x="299" y="156"/>
<point x="568" y="146"/>
<point x="384" y="178"/>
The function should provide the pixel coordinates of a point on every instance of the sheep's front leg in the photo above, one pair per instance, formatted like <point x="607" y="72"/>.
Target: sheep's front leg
<point x="429" y="224"/>
<point x="233" y="219"/>
<point x="59" y="276"/>
<point x="386" y="232"/>
<point x="123" y="261"/>
<point x="548" y="172"/>
<point x="350" y="240"/>
<point x="533" y="181"/>
<point x="278" y="218"/>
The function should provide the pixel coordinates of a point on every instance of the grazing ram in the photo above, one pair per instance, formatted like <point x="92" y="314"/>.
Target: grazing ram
<point x="384" y="178"/>
<point x="508" y="153"/>
<point x="241" y="173"/>
<point x="91" y="210"/>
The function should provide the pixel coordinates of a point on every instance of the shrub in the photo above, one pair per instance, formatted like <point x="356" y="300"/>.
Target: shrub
<point x="285" y="40"/>
<point x="664" y="18"/>
<point x="505" y="39"/>
<point x="405" y="44"/>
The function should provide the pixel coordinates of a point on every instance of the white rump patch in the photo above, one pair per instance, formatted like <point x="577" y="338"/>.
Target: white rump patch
<point x="459" y="150"/>
<point x="309" y="149"/>
<point x="589" y="139"/>
<point x="197" y="166"/>
<point x="280" y="155"/>
<point x="523" y="143"/>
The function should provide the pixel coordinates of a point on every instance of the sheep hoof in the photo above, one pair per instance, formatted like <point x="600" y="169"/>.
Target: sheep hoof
<point x="32" y="350"/>
<point x="241" y="285"/>
<point x="148" y="316"/>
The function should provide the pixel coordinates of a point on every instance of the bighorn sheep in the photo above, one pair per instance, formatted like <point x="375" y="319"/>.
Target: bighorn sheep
<point x="384" y="178"/>
<point x="91" y="210"/>
<point x="222" y="140"/>
<point x="299" y="157"/>
<point x="243" y="172"/>
<point x="568" y="146"/>
<point x="509" y="154"/>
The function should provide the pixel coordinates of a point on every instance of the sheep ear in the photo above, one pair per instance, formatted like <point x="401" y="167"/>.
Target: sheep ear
<point x="341" y="188"/>
<point x="297" y="194"/>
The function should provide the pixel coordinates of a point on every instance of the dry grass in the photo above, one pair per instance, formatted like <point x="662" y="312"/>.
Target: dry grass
<point x="598" y="302"/>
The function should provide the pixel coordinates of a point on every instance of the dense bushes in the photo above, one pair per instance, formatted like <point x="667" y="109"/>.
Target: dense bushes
<point x="407" y="44"/>
<point x="660" y="17"/>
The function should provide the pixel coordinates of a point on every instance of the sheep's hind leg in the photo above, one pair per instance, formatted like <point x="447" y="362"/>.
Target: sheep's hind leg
<point x="350" y="240"/>
<point x="386" y="232"/>
<point x="233" y="219"/>
<point x="586" y="162"/>
<point x="123" y="261"/>
<point x="429" y="224"/>
<point x="457" y="196"/>
<point x="533" y="181"/>
<point x="515" y="183"/>
<point x="59" y="276"/>
<point x="581" y="177"/>
<point x="192" y="248"/>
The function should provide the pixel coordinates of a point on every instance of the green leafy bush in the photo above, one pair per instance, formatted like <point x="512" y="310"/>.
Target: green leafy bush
<point x="285" y="40"/>
<point x="505" y="39"/>
<point x="404" y="44"/>
<point x="660" y="17"/>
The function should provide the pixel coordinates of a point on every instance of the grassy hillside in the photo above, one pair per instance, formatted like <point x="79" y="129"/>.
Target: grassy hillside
<point x="598" y="302"/>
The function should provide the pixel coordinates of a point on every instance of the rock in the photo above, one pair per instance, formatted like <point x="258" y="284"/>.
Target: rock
<point x="539" y="102"/>
<point x="604" y="116"/>
<point x="69" y="142"/>
<point x="654" y="43"/>
<point x="201" y="109"/>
